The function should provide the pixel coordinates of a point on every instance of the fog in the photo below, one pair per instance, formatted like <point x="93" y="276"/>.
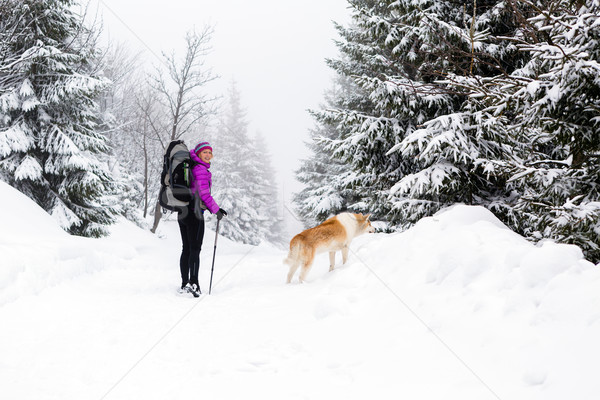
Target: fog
<point x="274" y="50"/>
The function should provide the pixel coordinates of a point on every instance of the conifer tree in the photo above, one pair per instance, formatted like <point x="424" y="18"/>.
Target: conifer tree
<point x="416" y="143"/>
<point x="50" y="145"/>
<point x="267" y="194"/>
<point x="555" y="99"/>
<point x="460" y="156"/>
<point x="392" y="52"/>
<point x="494" y="103"/>
<point x="237" y="177"/>
<point x="324" y="194"/>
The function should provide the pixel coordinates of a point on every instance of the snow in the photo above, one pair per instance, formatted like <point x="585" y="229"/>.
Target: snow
<point x="457" y="307"/>
<point x="28" y="169"/>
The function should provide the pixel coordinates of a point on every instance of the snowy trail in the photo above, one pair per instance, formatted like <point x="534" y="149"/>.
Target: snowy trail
<point x="249" y="338"/>
<point x="457" y="307"/>
<point x="122" y="330"/>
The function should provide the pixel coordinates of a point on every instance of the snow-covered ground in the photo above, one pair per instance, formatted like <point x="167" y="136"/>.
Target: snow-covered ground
<point x="458" y="307"/>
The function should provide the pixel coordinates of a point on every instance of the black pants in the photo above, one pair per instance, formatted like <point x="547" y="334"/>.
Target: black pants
<point x="192" y="233"/>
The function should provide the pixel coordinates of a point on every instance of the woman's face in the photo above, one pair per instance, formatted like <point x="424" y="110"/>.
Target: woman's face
<point x="206" y="155"/>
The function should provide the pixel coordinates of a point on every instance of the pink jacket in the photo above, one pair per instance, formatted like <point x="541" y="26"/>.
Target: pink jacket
<point x="202" y="183"/>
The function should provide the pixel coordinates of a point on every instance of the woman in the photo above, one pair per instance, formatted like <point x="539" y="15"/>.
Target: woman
<point x="191" y="218"/>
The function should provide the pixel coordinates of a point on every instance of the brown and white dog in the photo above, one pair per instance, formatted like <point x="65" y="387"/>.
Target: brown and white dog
<point x="334" y="234"/>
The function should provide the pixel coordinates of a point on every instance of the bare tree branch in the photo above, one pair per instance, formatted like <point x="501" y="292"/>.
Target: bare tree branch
<point x="181" y="91"/>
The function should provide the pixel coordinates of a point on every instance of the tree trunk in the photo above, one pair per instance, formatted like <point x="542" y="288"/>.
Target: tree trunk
<point x="157" y="216"/>
<point x="145" y="178"/>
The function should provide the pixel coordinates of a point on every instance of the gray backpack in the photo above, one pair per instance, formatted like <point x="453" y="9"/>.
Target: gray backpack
<point x="176" y="177"/>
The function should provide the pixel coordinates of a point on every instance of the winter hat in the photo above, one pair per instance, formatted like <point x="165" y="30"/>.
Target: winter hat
<point x="202" y="146"/>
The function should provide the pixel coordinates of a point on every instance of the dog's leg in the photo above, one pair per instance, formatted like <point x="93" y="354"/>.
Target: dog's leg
<point x="293" y="267"/>
<point x="304" y="271"/>
<point x="331" y="260"/>
<point x="307" y="258"/>
<point x="345" y="250"/>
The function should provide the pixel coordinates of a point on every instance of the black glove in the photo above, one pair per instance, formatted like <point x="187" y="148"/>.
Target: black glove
<point x="221" y="213"/>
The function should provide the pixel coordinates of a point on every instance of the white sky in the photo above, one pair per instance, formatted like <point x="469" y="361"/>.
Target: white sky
<point x="274" y="49"/>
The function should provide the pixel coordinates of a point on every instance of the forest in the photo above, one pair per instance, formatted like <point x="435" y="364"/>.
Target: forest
<point x="83" y="127"/>
<point x="490" y="103"/>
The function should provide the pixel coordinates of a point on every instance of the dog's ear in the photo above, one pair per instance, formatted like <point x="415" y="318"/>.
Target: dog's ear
<point x="368" y="216"/>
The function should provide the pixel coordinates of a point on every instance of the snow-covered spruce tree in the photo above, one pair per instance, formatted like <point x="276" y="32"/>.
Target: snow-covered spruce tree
<point x="50" y="144"/>
<point x="555" y="98"/>
<point x="238" y="182"/>
<point x="268" y="195"/>
<point x="460" y="156"/>
<point x="324" y="193"/>
<point x="395" y="51"/>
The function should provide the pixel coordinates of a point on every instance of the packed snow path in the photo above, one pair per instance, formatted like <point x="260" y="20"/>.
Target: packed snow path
<point x="458" y="307"/>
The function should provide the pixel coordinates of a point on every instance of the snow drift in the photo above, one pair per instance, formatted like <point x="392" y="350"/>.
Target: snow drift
<point x="456" y="307"/>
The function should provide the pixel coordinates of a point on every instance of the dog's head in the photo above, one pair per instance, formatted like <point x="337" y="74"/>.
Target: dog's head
<point x="364" y="223"/>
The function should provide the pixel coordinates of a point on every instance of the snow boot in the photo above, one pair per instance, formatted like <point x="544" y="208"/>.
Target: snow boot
<point x="185" y="288"/>
<point x="195" y="290"/>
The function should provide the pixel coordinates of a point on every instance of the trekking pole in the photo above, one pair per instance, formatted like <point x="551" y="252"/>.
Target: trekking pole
<point x="214" y="253"/>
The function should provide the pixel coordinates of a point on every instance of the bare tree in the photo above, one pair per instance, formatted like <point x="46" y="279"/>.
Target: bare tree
<point x="131" y="150"/>
<point x="179" y="90"/>
<point x="148" y="126"/>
